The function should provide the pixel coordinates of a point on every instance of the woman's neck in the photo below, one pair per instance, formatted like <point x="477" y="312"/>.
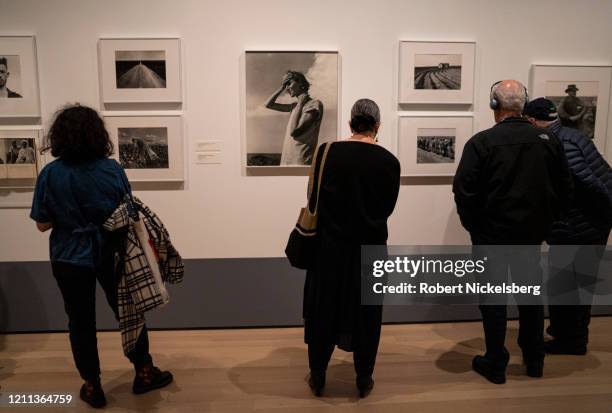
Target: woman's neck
<point x="363" y="138"/>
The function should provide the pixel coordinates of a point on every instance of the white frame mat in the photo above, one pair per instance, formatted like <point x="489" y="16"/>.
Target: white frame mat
<point x="172" y="93"/>
<point x="29" y="104"/>
<point x="540" y="74"/>
<point x="407" y="142"/>
<point x="409" y="95"/>
<point x="176" y="159"/>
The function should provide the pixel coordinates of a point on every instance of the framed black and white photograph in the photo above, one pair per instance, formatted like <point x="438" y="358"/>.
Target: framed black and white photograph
<point x="581" y="95"/>
<point x="20" y="159"/>
<point x="140" y="70"/>
<point x="19" y="96"/>
<point x="436" y="73"/>
<point x="436" y="145"/>
<point x="432" y="145"/>
<point x="291" y="106"/>
<point x="150" y="148"/>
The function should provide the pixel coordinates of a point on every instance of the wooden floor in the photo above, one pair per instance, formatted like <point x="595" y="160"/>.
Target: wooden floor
<point x="420" y="368"/>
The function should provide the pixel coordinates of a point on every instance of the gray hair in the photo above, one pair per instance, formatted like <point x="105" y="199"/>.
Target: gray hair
<point x="365" y="116"/>
<point x="511" y="99"/>
<point x="366" y="107"/>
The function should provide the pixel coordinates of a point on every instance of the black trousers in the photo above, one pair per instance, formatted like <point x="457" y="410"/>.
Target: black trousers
<point x="365" y="348"/>
<point x="530" y="337"/>
<point x="523" y="264"/>
<point x="573" y="281"/>
<point x="78" y="287"/>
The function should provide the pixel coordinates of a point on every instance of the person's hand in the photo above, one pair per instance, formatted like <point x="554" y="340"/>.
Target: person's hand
<point x="301" y="100"/>
<point x="286" y="79"/>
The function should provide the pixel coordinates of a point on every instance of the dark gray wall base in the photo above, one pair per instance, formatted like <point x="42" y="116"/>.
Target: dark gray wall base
<point x="216" y="293"/>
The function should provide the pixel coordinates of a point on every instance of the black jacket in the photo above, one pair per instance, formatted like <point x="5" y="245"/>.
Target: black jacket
<point x="511" y="184"/>
<point x="589" y="215"/>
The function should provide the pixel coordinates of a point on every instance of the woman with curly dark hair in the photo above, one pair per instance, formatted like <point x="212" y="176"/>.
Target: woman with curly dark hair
<point x="74" y="195"/>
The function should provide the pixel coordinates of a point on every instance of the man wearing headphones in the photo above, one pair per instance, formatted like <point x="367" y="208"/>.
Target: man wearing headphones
<point x="511" y="184"/>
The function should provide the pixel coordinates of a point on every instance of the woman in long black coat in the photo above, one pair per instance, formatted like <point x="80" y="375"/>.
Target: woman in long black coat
<point x="358" y="193"/>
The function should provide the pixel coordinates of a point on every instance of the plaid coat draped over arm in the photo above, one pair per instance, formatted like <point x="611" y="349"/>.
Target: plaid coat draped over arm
<point x="137" y="291"/>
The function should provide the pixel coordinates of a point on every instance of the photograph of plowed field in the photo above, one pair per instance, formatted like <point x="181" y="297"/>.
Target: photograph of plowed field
<point x="437" y="72"/>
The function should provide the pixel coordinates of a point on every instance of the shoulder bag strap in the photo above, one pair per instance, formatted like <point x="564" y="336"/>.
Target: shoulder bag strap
<point x="317" y="173"/>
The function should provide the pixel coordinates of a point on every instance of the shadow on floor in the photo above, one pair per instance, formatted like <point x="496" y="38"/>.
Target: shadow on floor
<point x="459" y="359"/>
<point x="266" y="377"/>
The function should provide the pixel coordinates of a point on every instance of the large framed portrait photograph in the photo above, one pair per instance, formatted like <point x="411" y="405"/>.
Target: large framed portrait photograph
<point x="436" y="73"/>
<point x="432" y="145"/>
<point x="150" y="148"/>
<point x="140" y="70"/>
<point x="581" y="94"/>
<point x="19" y="96"/>
<point x="20" y="159"/>
<point x="291" y="106"/>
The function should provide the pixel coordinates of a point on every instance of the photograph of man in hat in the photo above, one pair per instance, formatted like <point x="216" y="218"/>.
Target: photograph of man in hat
<point x="572" y="109"/>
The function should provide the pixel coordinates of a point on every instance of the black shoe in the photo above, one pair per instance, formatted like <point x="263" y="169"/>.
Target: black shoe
<point x="534" y="369"/>
<point x="555" y="346"/>
<point x="364" y="385"/>
<point x="92" y="394"/>
<point x="150" y="378"/>
<point x="316" y="381"/>
<point x="484" y="367"/>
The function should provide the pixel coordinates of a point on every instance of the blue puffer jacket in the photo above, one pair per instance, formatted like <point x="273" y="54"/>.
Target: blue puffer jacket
<point x="589" y="218"/>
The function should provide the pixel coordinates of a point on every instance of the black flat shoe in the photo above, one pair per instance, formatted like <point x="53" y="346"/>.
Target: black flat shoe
<point x="316" y="381"/>
<point x="150" y="378"/>
<point x="484" y="367"/>
<point x="535" y="369"/>
<point x="92" y="394"/>
<point x="555" y="346"/>
<point x="364" y="385"/>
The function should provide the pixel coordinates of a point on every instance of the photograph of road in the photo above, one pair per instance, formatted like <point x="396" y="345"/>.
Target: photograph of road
<point x="143" y="148"/>
<point x="437" y="71"/>
<point x="436" y="145"/>
<point x="140" y="69"/>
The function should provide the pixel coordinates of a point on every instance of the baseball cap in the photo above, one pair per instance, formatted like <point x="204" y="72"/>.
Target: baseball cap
<point x="541" y="109"/>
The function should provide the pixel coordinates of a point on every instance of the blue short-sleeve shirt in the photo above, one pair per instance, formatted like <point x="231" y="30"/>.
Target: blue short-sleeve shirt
<point x="77" y="199"/>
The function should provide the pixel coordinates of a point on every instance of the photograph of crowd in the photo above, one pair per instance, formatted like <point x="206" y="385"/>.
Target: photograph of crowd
<point x="435" y="149"/>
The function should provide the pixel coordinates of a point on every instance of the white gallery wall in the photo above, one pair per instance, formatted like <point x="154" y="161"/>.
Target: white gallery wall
<point x="222" y="212"/>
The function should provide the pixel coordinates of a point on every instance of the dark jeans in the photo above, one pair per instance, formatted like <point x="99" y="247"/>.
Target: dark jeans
<point x="523" y="263"/>
<point x="78" y="287"/>
<point x="365" y="347"/>
<point x="573" y="281"/>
